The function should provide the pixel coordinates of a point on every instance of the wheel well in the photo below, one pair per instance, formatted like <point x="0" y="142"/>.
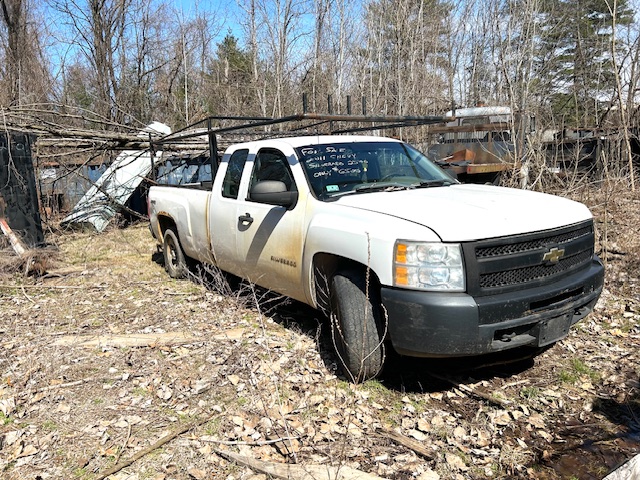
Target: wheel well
<point x="165" y="223"/>
<point x="325" y="266"/>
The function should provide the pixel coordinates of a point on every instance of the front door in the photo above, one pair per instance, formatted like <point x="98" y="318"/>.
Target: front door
<point x="270" y="237"/>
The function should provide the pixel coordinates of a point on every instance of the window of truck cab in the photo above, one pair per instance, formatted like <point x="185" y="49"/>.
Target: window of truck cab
<point x="231" y="182"/>
<point x="336" y="168"/>
<point x="272" y="164"/>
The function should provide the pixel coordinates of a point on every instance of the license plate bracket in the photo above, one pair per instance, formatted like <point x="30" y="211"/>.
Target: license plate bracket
<point x="553" y="329"/>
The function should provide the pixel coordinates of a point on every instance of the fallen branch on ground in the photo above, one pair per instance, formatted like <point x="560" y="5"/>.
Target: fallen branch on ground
<point x="473" y="392"/>
<point x="299" y="472"/>
<point x="167" y="438"/>
<point x="250" y="444"/>
<point x="407" y="442"/>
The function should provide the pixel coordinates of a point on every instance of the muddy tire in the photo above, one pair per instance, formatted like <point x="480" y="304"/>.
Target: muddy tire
<point x="357" y="327"/>
<point x="174" y="259"/>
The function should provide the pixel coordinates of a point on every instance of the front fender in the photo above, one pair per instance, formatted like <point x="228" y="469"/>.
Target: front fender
<point x="353" y="235"/>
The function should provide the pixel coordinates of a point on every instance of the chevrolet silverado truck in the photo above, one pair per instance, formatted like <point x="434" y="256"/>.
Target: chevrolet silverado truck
<point x="392" y="249"/>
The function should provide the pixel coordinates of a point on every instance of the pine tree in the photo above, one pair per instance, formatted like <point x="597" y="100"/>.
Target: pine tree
<point x="574" y="63"/>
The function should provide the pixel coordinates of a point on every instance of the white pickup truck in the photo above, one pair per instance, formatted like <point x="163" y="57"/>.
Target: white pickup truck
<point x="395" y="252"/>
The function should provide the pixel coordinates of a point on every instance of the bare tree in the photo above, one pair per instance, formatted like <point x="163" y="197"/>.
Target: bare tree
<point x="25" y="72"/>
<point x="404" y="53"/>
<point x="624" y="116"/>
<point x="274" y="31"/>
<point x="99" y="28"/>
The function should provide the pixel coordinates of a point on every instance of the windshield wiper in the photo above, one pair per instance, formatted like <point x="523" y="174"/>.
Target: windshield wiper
<point x="434" y="183"/>
<point x="392" y="187"/>
<point x="382" y="187"/>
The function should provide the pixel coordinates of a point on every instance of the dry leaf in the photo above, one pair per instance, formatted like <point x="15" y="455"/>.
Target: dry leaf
<point x="548" y="437"/>
<point x="616" y="332"/>
<point x="517" y="415"/>
<point x="428" y="474"/>
<point x="28" y="451"/>
<point x="537" y="421"/>
<point x="7" y="406"/>
<point x="501" y="417"/>
<point x="455" y="462"/>
<point x="424" y="425"/>
<point x="164" y="392"/>
<point x="437" y="421"/>
<point x="418" y="435"/>
<point x="122" y="423"/>
<point x="459" y="433"/>
<point x="239" y="421"/>
<point x="197" y="473"/>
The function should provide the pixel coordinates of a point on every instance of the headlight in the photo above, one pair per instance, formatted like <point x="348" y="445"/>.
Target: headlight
<point x="429" y="266"/>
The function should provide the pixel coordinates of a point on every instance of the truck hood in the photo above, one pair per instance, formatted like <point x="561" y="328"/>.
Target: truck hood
<point x="460" y="213"/>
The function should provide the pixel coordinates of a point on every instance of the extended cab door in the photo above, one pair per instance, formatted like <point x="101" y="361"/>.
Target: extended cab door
<point x="223" y="212"/>
<point x="269" y="235"/>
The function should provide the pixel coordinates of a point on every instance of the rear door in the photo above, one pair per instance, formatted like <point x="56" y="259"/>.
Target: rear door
<point x="223" y="212"/>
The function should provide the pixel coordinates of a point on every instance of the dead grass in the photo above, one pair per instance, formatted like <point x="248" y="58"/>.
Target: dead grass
<point x="265" y="385"/>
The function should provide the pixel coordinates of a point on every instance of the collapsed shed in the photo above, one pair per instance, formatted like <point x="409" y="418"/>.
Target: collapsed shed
<point x="114" y="189"/>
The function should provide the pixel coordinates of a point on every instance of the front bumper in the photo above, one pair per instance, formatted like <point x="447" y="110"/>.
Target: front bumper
<point x="430" y="324"/>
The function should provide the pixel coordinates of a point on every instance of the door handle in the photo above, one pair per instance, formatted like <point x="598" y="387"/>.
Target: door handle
<point x="246" y="218"/>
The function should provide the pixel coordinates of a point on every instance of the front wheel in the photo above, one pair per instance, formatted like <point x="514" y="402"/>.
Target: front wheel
<point x="174" y="259"/>
<point x="357" y="327"/>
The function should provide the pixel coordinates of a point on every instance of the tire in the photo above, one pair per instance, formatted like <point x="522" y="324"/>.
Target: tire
<point x="174" y="259"/>
<point x="357" y="328"/>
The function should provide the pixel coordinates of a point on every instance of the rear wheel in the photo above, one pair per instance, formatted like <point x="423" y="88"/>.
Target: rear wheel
<point x="174" y="259"/>
<point x="357" y="327"/>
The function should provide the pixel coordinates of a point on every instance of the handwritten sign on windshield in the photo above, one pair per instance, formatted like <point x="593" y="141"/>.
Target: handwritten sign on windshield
<point x="328" y="161"/>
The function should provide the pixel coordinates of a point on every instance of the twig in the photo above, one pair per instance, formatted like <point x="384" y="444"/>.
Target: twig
<point x="61" y="287"/>
<point x="250" y="444"/>
<point x="299" y="472"/>
<point x="62" y="385"/>
<point x="407" y="442"/>
<point x="124" y="445"/>
<point x="167" y="438"/>
<point x="24" y="292"/>
<point x="467" y="389"/>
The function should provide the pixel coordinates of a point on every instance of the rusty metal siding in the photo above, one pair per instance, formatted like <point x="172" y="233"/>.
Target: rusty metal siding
<point x="62" y="186"/>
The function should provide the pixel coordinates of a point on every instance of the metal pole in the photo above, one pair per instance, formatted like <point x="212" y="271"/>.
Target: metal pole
<point x="330" y="107"/>
<point x="213" y="150"/>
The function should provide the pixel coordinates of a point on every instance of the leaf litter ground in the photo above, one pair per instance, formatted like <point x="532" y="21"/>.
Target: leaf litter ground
<point x="108" y="362"/>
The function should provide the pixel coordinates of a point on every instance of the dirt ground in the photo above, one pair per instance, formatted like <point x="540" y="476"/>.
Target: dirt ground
<point x="110" y="369"/>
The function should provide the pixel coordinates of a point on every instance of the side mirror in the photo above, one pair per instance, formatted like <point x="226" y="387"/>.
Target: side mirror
<point x="273" y="192"/>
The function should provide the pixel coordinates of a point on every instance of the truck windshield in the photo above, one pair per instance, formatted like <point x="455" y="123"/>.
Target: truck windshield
<point x="339" y="168"/>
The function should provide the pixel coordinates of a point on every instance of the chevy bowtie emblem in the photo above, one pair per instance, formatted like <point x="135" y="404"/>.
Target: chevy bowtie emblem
<point x="554" y="255"/>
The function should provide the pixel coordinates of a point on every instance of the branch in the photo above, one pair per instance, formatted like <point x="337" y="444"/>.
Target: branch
<point x="167" y="438"/>
<point x="467" y="389"/>
<point x="407" y="442"/>
<point x="299" y="472"/>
